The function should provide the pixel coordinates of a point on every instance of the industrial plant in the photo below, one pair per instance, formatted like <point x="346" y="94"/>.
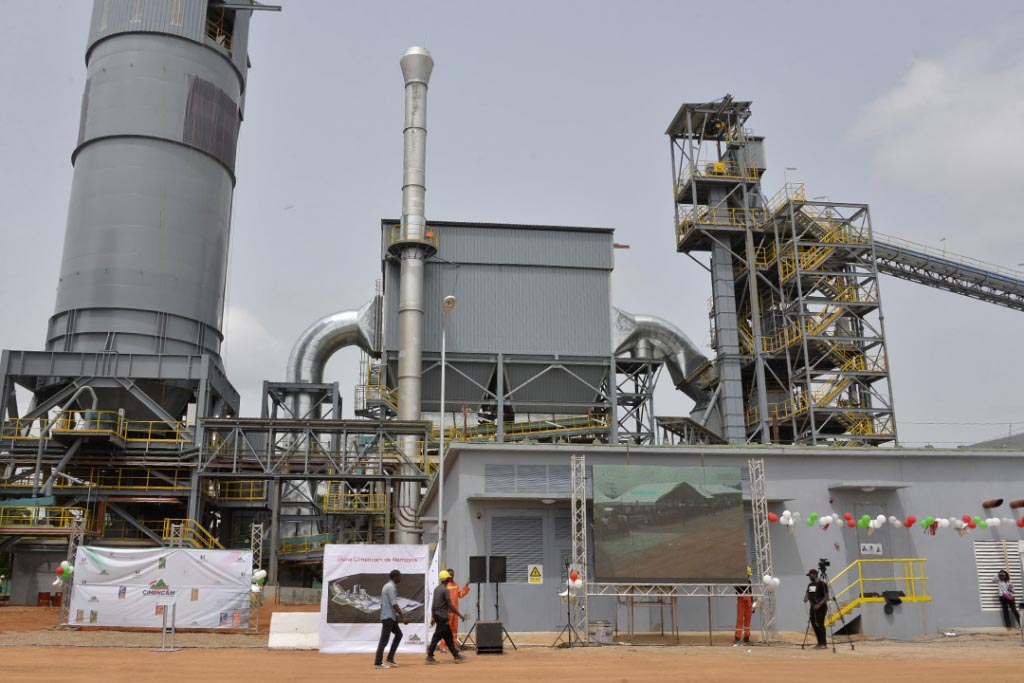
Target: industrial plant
<point x="495" y="373"/>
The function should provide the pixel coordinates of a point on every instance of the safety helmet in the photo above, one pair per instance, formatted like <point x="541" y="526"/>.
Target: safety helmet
<point x="750" y="572"/>
<point x="443" y="575"/>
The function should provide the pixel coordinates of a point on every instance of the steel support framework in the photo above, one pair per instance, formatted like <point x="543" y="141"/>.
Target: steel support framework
<point x="796" y="307"/>
<point x="635" y="381"/>
<point x="762" y="550"/>
<point x="580" y="556"/>
<point x="74" y="542"/>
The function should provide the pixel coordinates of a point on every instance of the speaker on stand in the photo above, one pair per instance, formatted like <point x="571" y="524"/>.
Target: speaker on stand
<point x="477" y="575"/>
<point x="496" y="575"/>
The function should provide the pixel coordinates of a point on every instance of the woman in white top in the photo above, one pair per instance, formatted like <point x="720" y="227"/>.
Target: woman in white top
<point x="1007" y="599"/>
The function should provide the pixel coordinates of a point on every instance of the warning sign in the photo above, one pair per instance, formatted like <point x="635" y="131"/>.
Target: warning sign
<point x="535" y="573"/>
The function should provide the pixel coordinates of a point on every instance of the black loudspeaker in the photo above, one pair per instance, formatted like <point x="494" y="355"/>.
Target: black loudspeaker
<point x="488" y="638"/>
<point x="497" y="569"/>
<point x="478" y="569"/>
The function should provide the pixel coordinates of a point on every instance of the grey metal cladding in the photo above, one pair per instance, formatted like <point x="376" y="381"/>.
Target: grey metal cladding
<point x="147" y="229"/>
<point x="522" y="245"/>
<point x="211" y="121"/>
<point x="511" y="309"/>
<point x="143" y="85"/>
<point x="185" y="18"/>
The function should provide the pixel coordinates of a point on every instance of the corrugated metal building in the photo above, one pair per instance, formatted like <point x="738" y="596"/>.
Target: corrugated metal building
<point x="533" y="300"/>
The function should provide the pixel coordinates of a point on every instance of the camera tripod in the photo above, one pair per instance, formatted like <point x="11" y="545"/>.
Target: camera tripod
<point x="831" y="602"/>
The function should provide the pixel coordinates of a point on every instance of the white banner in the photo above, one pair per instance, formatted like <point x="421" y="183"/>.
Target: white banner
<point x="132" y="587"/>
<point x="354" y="576"/>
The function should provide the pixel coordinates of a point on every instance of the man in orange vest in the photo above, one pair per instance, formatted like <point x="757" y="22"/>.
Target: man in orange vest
<point x="744" y="609"/>
<point x="455" y="592"/>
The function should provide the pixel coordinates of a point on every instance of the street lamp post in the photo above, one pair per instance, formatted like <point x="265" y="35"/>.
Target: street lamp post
<point x="448" y="305"/>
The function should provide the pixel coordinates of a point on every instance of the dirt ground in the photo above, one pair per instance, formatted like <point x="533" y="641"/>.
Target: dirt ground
<point x="101" y="655"/>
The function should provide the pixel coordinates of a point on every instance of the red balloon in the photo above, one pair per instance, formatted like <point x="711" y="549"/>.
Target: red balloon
<point x="910" y="520"/>
<point x="1020" y="522"/>
<point x="852" y="523"/>
<point x="847" y="516"/>
<point x="574" y="575"/>
<point x="772" y="517"/>
<point x="60" y="571"/>
<point x="972" y="524"/>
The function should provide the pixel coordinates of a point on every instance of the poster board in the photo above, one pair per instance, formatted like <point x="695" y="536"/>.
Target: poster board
<point x="130" y="587"/>
<point x="354" y="576"/>
<point x="669" y="524"/>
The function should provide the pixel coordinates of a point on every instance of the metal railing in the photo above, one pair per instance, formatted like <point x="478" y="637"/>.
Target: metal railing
<point x="790" y="192"/>
<point x="97" y="423"/>
<point x="368" y="503"/>
<point x="46" y="519"/>
<point x="398" y="234"/>
<point x="243" y="489"/>
<point x="192" y="533"/>
<point x="303" y="545"/>
<point x="218" y="33"/>
<point x="935" y="252"/>
<point x="907" y="576"/>
<point x="716" y="169"/>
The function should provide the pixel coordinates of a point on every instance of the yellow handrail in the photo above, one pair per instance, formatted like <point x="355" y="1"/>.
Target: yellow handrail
<point x="411" y="233"/>
<point x="912" y="582"/>
<point x="192" y="533"/>
<point x="43" y="518"/>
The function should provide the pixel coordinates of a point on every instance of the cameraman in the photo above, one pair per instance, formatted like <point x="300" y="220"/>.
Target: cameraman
<point x="817" y="596"/>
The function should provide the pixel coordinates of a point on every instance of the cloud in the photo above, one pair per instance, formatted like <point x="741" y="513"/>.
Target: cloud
<point x="251" y="354"/>
<point x="953" y="125"/>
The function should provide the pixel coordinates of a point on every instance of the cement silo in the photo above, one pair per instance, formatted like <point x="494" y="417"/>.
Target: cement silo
<point x="146" y="248"/>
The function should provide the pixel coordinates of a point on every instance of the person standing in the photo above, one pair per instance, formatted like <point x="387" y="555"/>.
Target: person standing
<point x="816" y="596"/>
<point x="455" y="592"/>
<point x="440" y="609"/>
<point x="744" y="610"/>
<point x="390" y="614"/>
<point x="1007" y="599"/>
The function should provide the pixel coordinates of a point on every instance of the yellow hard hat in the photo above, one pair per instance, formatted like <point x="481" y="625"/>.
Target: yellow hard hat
<point x="750" y="572"/>
<point x="444" y="575"/>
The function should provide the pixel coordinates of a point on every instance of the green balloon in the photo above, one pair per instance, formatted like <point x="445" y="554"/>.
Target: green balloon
<point x="925" y="524"/>
<point x="976" y="518"/>
<point x="930" y="520"/>
<point x="983" y="524"/>
<point x="810" y="521"/>
<point x="813" y="517"/>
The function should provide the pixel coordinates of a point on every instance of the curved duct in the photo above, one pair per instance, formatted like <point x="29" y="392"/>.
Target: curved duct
<point x="323" y="339"/>
<point x="682" y="358"/>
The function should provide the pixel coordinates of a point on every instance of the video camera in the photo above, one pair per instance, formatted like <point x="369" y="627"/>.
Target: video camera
<point x="823" y="565"/>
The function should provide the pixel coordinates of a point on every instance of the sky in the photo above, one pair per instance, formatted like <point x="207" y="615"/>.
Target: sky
<point x="554" y="113"/>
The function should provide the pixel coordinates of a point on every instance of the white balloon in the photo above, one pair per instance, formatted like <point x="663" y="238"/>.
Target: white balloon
<point x="64" y="564"/>
<point x="256" y="588"/>
<point x="881" y="519"/>
<point x="767" y="579"/>
<point x="787" y="513"/>
<point x="943" y="523"/>
<point x="577" y="584"/>
<point x="995" y="521"/>
<point x="70" y="569"/>
<point x="959" y="524"/>
<point x="823" y="521"/>
<point x="776" y="581"/>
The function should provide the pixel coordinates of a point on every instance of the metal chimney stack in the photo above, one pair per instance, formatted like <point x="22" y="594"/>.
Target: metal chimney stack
<point x="412" y="244"/>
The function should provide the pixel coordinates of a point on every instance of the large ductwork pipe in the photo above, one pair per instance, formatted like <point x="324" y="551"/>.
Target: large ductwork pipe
<point x="637" y="332"/>
<point x="323" y="339"/>
<point x="412" y="249"/>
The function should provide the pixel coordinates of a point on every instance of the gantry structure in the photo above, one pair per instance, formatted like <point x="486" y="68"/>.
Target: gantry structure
<point x="795" y="311"/>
